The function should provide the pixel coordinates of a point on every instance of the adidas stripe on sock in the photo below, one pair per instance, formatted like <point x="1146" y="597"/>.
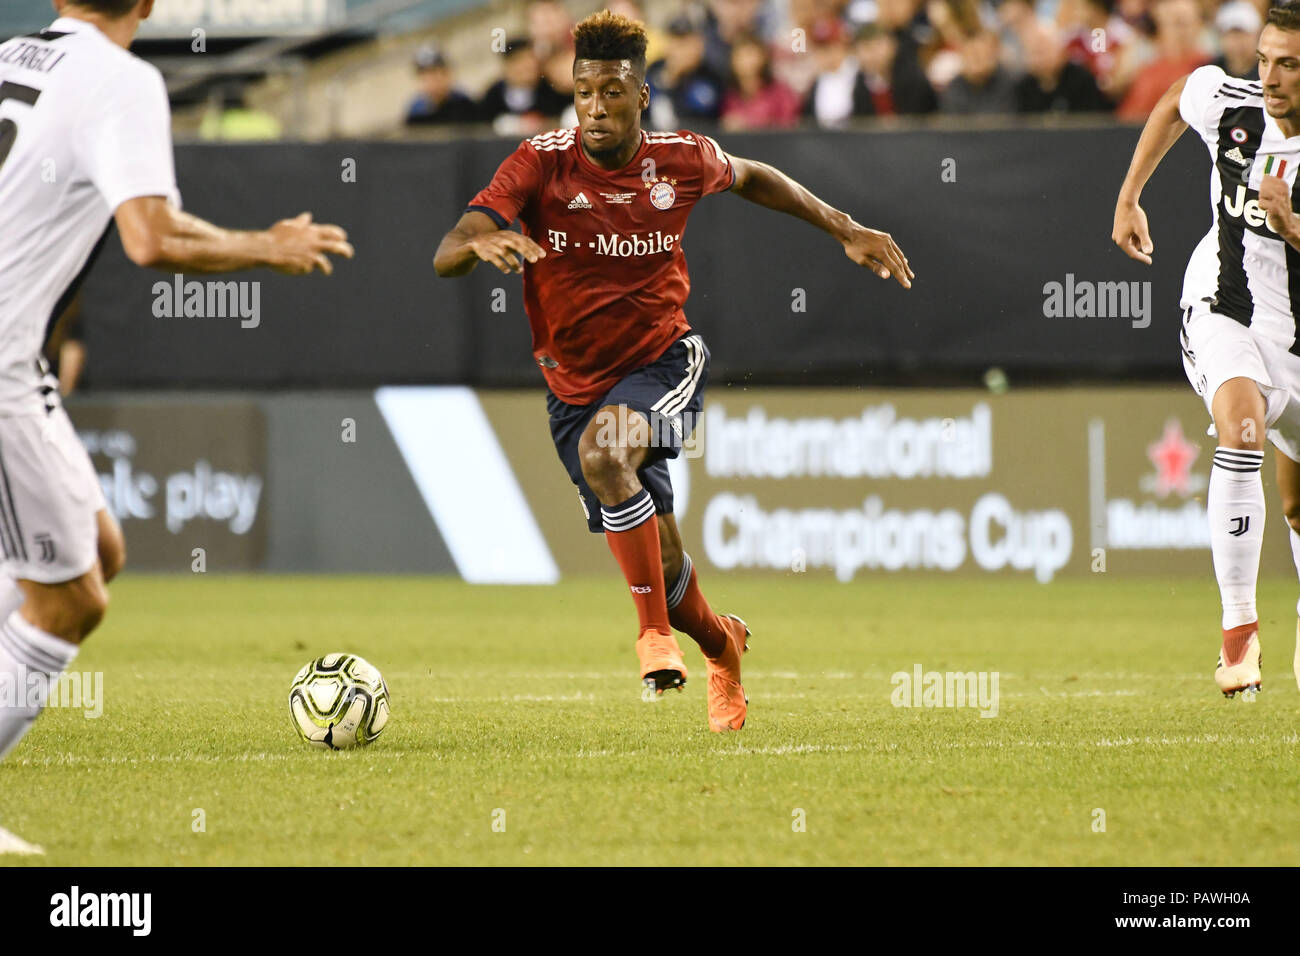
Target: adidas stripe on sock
<point x="628" y="514"/>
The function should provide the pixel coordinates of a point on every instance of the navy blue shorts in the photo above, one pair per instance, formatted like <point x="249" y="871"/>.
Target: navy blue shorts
<point x="669" y="392"/>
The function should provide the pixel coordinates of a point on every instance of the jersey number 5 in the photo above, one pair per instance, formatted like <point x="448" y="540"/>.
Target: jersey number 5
<point x="8" y="128"/>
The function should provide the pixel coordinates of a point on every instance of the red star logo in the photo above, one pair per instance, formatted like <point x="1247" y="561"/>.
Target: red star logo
<point x="1173" y="456"/>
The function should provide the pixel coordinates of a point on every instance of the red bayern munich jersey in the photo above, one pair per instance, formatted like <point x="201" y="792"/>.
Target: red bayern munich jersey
<point x="608" y="296"/>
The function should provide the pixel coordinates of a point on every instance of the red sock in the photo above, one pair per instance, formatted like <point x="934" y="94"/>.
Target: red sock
<point x="633" y="536"/>
<point x="691" y="613"/>
<point x="1234" y="642"/>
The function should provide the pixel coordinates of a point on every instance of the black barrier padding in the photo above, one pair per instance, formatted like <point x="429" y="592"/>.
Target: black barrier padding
<point x="1026" y="208"/>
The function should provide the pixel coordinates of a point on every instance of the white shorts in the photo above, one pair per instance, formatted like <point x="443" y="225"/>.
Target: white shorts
<point x="49" y="496"/>
<point x="1217" y="348"/>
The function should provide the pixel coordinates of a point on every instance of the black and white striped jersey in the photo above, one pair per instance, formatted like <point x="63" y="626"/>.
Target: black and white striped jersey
<point x="84" y="126"/>
<point x="1242" y="267"/>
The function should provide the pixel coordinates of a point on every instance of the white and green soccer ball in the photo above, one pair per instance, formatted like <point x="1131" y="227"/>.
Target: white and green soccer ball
<point x="339" y="701"/>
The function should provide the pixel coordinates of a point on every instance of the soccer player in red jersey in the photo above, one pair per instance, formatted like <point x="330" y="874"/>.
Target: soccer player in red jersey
<point x="603" y="207"/>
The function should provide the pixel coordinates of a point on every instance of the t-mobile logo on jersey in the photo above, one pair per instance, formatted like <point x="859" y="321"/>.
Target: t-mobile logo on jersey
<point x="653" y="243"/>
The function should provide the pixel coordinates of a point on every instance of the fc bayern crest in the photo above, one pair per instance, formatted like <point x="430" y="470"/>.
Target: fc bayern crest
<point x="662" y="195"/>
<point x="1238" y="134"/>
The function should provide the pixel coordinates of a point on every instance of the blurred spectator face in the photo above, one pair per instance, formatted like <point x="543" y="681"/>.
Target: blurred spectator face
<point x="1178" y="26"/>
<point x="830" y="45"/>
<point x="549" y="26"/>
<point x="803" y="13"/>
<point x="1018" y="14"/>
<point x="979" y="56"/>
<point x="522" y="68"/>
<point x="628" y="8"/>
<point x="875" y="53"/>
<point x="735" y="16"/>
<point x="896" y="14"/>
<point x="1044" y="52"/>
<point x="1238" y="48"/>
<point x="435" y="82"/>
<point x="1238" y="24"/>
<point x="749" y="65"/>
<point x="685" y="53"/>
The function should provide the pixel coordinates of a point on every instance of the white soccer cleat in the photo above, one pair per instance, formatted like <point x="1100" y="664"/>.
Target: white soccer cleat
<point x="10" y="843"/>
<point x="1241" y="674"/>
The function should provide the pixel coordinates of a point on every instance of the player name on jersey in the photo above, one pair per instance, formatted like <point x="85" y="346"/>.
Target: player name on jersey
<point x="40" y="57"/>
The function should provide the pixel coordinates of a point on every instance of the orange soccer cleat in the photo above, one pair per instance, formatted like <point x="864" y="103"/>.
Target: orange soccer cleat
<point x="661" y="662"/>
<point x="728" y="704"/>
<point x="1239" y="658"/>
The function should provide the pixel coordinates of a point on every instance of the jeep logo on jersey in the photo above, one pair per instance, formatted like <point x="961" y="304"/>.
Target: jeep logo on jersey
<point x="1239" y="207"/>
<point x="635" y="245"/>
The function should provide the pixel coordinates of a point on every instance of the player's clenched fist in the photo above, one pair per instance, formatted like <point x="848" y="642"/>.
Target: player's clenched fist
<point x="1275" y="200"/>
<point x="505" y="249"/>
<point x="302" y="245"/>
<point x="1130" y="232"/>
<point x="878" y="252"/>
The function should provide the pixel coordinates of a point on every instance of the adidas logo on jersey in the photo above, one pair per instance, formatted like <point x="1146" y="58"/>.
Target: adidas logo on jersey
<point x="579" y="201"/>
<point x="1234" y="154"/>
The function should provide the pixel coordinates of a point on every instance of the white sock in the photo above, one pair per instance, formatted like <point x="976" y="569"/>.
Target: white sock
<point x="26" y="650"/>
<point x="11" y="596"/>
<point x="1235" y="505"/>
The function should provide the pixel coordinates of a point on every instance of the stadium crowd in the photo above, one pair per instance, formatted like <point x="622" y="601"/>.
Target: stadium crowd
<point x="764" y="64"/>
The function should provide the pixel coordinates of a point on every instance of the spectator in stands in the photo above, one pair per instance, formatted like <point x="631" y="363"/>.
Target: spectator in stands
<point x="984" y="85"/>
<point x="522" y="102"/>
<point x="683" y="88"/>
<point x="1178" y="36"/>
<point x="830" y="101"/>
<point x="1101" y="41"/>
<point x="1014" y="18"/>
<point x="1238" y="24"/>
<point x="550" y="28"/>
<point x="887" y="84"/>
<point x="438" y="101"/>
<point x="755" y="99"/>
<point x="726" y="22"/>
<point x="903" y="20"/>
<point x="791" y="43"/>
<point x="1052" y="83"/>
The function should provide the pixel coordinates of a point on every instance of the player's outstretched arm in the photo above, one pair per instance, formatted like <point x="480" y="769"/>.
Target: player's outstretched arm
<point x="477" y="238"/>
<point x="1164" y="126"/>
<point x="157" y="235"/>
<point x="768" y="186"/>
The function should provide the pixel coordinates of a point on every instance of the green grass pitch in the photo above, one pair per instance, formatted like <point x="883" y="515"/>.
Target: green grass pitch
<point x="526" y="701"/>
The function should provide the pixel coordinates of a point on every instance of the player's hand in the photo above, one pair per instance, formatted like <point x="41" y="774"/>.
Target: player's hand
<point x="1275" y="200"/>
<point x="506" y="250"/>
<point x="302" y="246"/>
<point x="879" y="253"/>
<point x="1131" y="233"/>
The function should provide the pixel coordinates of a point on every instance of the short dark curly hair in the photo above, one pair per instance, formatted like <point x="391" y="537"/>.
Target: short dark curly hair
<point x="1285" y="16"/>
<point x="113" y="8"/>
<point x="610" y="36"/>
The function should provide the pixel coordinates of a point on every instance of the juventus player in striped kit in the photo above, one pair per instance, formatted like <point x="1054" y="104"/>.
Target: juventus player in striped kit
<point x="1241" y="297"/>
<point x="85" y="137"/>
<point x="603" y="209"/>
